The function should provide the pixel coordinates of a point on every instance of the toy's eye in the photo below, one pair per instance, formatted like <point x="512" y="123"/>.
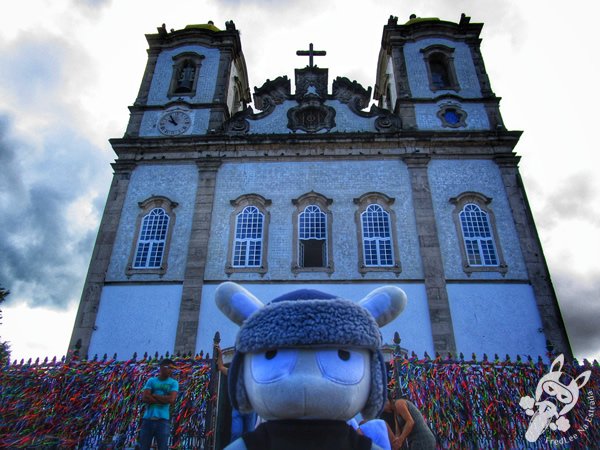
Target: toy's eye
<point x="272" y="365"/>
<point x="342" y="366"/>
<point x="344" y="355"/>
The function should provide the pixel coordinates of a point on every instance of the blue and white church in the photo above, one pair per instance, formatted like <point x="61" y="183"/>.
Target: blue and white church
<point x="321" y="184"/>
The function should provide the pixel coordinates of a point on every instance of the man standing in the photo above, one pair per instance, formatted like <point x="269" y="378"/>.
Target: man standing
<point x="159" y="394"/>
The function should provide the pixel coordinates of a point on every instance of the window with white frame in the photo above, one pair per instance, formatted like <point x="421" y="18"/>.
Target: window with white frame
<point x="376" y="233"/>
<point x="149" y="252"/>
<point x="377" y="237"/>
<point x="476" y="228"/>
<point x="312" y="237"/>
<point x="247" y="250"/>
<point x="152" y="240"/>
<point x="248" y="236"/>
<point x="311" y="246"/>
<point x="477" y="236"/>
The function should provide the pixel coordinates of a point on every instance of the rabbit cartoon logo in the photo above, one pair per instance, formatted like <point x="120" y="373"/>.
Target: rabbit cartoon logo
<point x="553" y="399"/>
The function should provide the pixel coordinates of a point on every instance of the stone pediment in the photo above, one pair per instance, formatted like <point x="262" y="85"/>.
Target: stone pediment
<point x="311" y="109"/>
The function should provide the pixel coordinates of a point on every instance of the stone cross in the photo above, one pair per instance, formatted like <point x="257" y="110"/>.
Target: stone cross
<point x="310" y="53"/>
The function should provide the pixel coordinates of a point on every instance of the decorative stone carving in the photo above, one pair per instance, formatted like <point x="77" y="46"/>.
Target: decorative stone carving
<point x="311" y="76"/>
<point x="386" y="121"/>
<point x="272" y="93"/>
<point x="238" y="124"/>
<point x="351" y="93"/>
<point x="311" y="116"/>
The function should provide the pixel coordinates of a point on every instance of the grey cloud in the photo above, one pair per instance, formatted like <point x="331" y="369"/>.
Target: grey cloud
<point x="42" y="258"/>
<point x="571" y="199"/>
<point x="580" y="306"/>
<point x="38" y="72"/>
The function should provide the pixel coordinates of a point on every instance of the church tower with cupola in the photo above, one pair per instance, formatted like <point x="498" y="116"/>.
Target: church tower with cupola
<point x="316" y="186"/>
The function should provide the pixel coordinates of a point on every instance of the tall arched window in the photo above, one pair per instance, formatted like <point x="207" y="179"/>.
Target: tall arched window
<point x="312" y="237"/>
<point x="152" y="239"/>
<point x="376" y="227"/>
<point x="439" y="60"/>
<point x="312" y="233"/>
<point x="249" y="225"/>
<point x="186" y="71"/>
<point x="475" y="225"/>
<point x="377" y="237"/>
<point x="477" y="236"/>
<point x="154" y="226"/>
<point x="247" y="251"/>
<point x="439" y="71"/>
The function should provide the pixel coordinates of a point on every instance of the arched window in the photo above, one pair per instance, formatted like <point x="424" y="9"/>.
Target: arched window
<point x="377" y="237"/>
<point x="477" y="236"/>
<point x="186" y="71"/>
<point x="439" y="60"/>
<point x="249" y="226"/>
<point x="152" y="239"/>
<point x="312" y="237"/>
<point x="247" y="251"/>
<point x="155" y="223"/>
<point x="312" y="233"/>
<point x="439" y="71"/>
<point x="376" y="233"/>
<point x="476" y="228"/>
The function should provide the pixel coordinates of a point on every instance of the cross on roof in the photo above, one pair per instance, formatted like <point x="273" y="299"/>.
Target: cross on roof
<point x="310" y="53"/>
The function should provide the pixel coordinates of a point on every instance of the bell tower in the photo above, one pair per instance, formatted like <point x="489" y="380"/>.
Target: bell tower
<point x="195" y="79"/>
<point x="431" y="73"/>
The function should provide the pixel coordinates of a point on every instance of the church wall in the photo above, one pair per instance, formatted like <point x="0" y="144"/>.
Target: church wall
<point x="450" y="178"/>
<point x="413" y="324"/>
<point x="136" y="318"/>
<point x="176" y="182"/>
<point x="496" y="318"/>
<point x="463" y="65"/>
<point x="161" y="79"/>
<point x="341" y="181"/>
<point x="427" y="119"/>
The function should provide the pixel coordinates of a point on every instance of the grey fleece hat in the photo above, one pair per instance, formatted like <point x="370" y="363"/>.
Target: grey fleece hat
<point x="310" y="318"/>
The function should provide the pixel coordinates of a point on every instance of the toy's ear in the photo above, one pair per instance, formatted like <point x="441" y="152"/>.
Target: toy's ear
<point x="384" y="303"/>
<point x="236" y="302"/>
<point x="557" y="364"/>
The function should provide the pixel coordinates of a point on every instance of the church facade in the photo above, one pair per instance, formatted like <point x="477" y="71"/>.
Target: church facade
<point x="312" y="188"/>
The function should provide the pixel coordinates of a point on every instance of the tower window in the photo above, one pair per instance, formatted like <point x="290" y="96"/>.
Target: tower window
<point x="186" y="71"/>
<point x="476" y="229"/>
<point x="312" y="233"/>
<point x="439" y="61"/>
<point x="155" y="223"/>
<point x="452" y="116"/>
<point x="249" y="225"/>
<point x="376" y="233"/>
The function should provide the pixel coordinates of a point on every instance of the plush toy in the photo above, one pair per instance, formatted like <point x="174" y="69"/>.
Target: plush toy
<point x="306" y="363"/>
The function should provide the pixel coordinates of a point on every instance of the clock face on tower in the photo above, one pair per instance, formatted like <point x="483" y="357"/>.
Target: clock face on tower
<point x="174" y="123"/>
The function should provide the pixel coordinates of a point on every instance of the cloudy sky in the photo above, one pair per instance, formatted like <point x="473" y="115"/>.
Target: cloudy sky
<point x="69" y="69"/>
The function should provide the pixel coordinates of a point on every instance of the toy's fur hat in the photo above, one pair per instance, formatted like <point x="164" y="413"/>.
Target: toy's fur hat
<point x="309" y="318"/>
